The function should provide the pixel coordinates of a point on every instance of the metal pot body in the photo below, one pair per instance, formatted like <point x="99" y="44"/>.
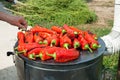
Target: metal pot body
<point x="91" y="70"/>
<point x="87" y="67"/>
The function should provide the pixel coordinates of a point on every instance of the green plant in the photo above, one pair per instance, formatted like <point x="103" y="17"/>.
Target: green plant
<point x="54" y="12"/>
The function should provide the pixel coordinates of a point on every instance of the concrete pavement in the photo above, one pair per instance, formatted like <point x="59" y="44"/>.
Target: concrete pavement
<point x="8" y="37"/>
<point x="7" y="41"/>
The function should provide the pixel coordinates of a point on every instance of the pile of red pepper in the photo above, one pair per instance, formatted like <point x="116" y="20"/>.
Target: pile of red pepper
<point x="62" y="44"/>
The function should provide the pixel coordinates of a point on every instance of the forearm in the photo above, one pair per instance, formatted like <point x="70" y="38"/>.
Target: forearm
<point x="116" y="25"/>
<point x="4" y="16"/>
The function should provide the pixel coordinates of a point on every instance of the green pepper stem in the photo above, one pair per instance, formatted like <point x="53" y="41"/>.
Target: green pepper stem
<point x="63" y="31"/>
<point x="66" y="45"/>
<point x="96" y="46"/>
<point x="96" y="38"/>
<point x="76" y="33"/>
<point x="31" y="56"/>
<point x="76" y="45"/>
<point x="45" y="42"/>
<point x="40" y="42"/>
<point x="53" y="42"/>
<point x="52" y="55"/>
<point x="99" y="46"/>
<point x="15" y="48"/>
<point x="87" y="47"/>
<point x="23" y="51"/>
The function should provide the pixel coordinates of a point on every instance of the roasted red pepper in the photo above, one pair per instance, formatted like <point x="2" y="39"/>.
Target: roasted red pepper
<point x="55" y="40"/>
<point x="29" y="37"/>
<point x="65" y="41"/>
<point x="92" y="42"/>
<point x="41" y="53"/>
<point x="71" y="33"/>
<point x="77" y="30"/>
<point x="65" y="55"/>
<point x="84" y="43"/>
<point x="37" y="38"/>
<point x="33" y="53"/>
<point x="47" y="40"/>
<point x="38" y="28"/>
<point x="76" y="43"/>
<point x="59" y="30"/>
<point x="23" y="48"/>
<point x="93" y="35"/>
<point x="21" y="38"/>
<point x="44" y="35"/>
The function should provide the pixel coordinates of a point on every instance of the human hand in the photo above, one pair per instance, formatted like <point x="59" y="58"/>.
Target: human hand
<point x="18" y="21"/>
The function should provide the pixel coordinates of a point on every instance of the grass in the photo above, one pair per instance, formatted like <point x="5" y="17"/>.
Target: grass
<point x="111" y="62"/>
<point x="54" y="12"/>
<point x="70" y="12"/>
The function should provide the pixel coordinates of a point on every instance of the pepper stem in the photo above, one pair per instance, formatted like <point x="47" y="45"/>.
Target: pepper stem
<point x="66" y="45"/>
<point x="39" y="55"/>
<point x="45" y="42"/>
<point x="96" y="38"/>
<point x="75" y="33"/>
<point x="23" y="51"/>
<point x="40" y="42"/>
<point x="63" y="31"/>
<point x="15" y="48"/>
<point x="76" y="45"/>
<point x="94" y="46"/>
<point x="87" y="47"/>
<point x="31" y="56"/>
<point x="53" y="42"/>
<point x="52" y="55"/>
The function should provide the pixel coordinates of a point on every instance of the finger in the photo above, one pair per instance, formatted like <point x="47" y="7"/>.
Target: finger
<point x="24" y="24"/>
<point x="22" y="27"/>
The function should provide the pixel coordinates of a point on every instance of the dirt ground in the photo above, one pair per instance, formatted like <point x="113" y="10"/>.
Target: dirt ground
<point x="104" y="10"/>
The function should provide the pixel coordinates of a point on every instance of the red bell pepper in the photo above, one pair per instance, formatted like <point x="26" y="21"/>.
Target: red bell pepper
<point x="64" y="55"/>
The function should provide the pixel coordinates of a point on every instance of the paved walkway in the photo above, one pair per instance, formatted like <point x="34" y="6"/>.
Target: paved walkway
<point x="8" y="38"/>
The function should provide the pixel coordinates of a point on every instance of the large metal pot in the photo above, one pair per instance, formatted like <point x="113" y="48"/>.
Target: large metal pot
<point x="87" y="67"/>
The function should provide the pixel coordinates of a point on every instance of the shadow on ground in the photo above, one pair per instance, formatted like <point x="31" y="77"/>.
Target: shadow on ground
<point x="9" y="73"/>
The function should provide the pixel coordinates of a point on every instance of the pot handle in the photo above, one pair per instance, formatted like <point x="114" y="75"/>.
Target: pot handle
<point x="11" y="53"/>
